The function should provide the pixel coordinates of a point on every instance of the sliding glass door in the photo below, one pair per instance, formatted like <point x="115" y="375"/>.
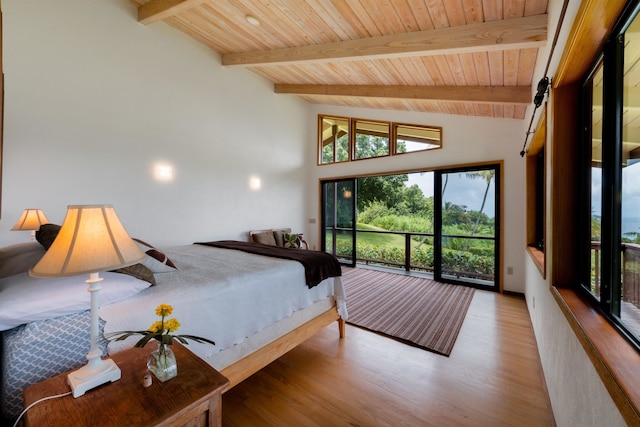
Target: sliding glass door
<point x="467" y="226"/>
<point x="339" y="220"/>
<point x="444" y="221"/>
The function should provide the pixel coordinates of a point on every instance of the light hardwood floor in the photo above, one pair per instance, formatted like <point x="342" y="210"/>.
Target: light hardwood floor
<point x="492" y="378"/>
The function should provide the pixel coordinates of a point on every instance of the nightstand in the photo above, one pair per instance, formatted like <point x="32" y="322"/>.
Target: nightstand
<point x="193" y="397"/>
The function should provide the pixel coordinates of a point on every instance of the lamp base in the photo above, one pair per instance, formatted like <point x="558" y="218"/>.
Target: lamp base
<point x="89" y="376"/>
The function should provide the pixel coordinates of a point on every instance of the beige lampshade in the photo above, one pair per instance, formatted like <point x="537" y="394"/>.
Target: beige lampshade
<point x="91" y="240"/>
<point x="31" y="219"/>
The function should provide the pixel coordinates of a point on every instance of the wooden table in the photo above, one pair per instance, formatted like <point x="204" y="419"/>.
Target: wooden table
<point x="192" y="398"/>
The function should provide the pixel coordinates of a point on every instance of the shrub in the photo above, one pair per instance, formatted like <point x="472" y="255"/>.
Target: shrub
<point x="420" y="257"/>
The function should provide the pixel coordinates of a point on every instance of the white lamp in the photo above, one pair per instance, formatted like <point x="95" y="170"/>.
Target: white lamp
<point x="91" y="240"/>
<point x="31" y="219"/>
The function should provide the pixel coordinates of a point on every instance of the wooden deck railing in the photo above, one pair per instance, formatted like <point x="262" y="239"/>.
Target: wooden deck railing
<point x="630" y="272"/>
<point x="407" y="264"/>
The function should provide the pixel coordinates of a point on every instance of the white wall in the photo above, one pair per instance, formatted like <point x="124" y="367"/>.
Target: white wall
<point x="578" y="396"/>
<point x="94" y="99"/>
<point x="465" y="140"/>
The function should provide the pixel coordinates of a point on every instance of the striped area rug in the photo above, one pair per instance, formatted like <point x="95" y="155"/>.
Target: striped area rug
<point x="415" y="310"/>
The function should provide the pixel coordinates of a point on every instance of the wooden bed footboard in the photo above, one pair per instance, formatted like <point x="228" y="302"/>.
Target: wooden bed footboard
<point x="249" y="365"/>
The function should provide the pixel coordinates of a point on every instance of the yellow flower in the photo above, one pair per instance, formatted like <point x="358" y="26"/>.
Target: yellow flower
<point x="172" y="325"/>
<point x="156" y="326"/>
<point x="164" y="310"/>
<point x="159" y="330"/>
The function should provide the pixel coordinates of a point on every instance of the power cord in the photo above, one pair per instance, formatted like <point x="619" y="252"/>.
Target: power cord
<point x="36" y="402"/>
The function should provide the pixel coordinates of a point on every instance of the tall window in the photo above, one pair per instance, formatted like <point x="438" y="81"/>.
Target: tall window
<point x="611" y="173"/>
<point x="536" y="195"/>
<point x="593" y="168"/>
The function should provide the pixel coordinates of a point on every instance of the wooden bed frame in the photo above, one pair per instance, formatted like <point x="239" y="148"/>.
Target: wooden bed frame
<point x="252" y="363"/>
<point x="249" y="365"/>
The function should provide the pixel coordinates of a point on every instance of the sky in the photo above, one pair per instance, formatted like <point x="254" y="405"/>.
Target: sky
<point x="630" y="196"/>
<point x="460" y="190"/>
<point x="465" y="191"/>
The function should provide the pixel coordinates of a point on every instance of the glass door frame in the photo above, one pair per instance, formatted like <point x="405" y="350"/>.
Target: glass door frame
<point x="346" y="185"/>
<point x="438" y="229"/>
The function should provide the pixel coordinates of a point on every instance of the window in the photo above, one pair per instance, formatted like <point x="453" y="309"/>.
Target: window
<point x="593" y="168"/>
<point x="536" y="195"/>
<point x="372" y="139"/>
<point x="610" y="228"/>
<point x="341" y="139"/>
<point x="410" y="138"/>
<point x="334" y="139"/>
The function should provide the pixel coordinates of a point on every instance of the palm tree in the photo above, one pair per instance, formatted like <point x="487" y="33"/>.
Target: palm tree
<point x="487" y="175"/>
<point x="424" y="239"/>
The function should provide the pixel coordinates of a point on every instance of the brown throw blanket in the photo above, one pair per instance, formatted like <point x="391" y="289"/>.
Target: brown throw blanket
<point x="317" y="265"/>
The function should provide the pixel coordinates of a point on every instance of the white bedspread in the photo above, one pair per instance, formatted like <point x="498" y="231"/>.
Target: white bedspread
<point x="220" y="294"/>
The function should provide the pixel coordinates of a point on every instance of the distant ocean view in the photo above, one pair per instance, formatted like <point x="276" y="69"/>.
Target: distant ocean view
<point x="630" y="224"/>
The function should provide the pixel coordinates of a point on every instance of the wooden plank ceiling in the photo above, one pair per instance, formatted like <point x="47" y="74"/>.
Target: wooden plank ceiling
<point x="466" y="57"/>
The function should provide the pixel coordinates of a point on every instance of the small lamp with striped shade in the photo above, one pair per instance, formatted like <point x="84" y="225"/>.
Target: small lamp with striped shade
<point x="31" y="220"/>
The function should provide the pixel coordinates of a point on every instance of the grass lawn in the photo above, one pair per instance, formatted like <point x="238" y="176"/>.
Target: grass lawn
<point x="376" y="239"/>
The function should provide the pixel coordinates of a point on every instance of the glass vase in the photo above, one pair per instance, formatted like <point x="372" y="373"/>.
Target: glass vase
<point x="162" y="362"/>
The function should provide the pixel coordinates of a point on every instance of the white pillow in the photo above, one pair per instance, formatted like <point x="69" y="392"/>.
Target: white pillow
<point x="25" y="299"/>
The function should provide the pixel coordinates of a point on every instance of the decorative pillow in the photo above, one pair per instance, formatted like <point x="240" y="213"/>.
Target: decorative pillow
<point x="157" y="261"/>
<point x="292" y="240"/>
<point x="19" y="258"/>
<point x="139" y="271"/>
<point x="25" y="299"/>
<point x="279" y="237"/>
<point x="265" y="238"/>
<point x="47" y="234"/>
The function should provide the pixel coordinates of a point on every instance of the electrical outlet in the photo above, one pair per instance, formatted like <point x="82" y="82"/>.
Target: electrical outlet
<point x="509" y="270"/>
<point x="312" y="220"/>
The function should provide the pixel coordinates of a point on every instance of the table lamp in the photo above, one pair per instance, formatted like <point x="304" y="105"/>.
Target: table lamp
<point x="31" y="219"/>
<point x="91" y="240"/>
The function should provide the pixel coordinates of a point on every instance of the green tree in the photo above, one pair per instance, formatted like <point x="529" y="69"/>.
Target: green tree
<point x="368" y="146"/>
<point x="454" y="214"/>
<point x="487" y="175"/>
<point x="414" y="199"/>
<point x="595" y="227"/>
<point x="342" y="149"/>
<point x="388" y="189"/>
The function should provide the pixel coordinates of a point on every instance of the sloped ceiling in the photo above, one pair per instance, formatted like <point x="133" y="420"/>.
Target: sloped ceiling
<point x="465" y="57"/>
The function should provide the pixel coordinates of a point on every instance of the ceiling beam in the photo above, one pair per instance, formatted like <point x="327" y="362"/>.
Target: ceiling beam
<point x="474" y="94"/>
<point x="515" y="33"/>
<point x="157" y="10"/>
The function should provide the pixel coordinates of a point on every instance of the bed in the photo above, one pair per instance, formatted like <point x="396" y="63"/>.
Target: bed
<point x="255" y="307"/>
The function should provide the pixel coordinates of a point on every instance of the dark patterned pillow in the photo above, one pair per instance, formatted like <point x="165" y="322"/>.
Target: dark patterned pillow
<point x="157" y="261"/>
<point x="138" y="271"/>
<point x="47" y="234"/>
<point x="292" y="240"/>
